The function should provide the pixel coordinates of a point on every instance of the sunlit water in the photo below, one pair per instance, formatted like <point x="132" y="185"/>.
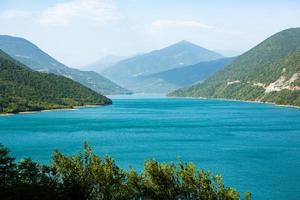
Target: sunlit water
<point x="256" y="147"/>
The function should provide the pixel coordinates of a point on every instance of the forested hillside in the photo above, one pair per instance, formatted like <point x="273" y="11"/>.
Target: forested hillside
<point x="269" y="72"/>
<point x="22" y="89"/>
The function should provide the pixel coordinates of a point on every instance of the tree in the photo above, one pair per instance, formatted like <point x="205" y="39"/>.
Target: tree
<point x="7" y="172"/>
<point x="86" y="176"/>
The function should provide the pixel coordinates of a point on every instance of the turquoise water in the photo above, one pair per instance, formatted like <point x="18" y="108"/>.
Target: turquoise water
<point x="256" y="147"/>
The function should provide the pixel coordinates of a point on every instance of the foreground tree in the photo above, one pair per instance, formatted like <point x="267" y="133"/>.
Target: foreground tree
<point x="87" y="176"/>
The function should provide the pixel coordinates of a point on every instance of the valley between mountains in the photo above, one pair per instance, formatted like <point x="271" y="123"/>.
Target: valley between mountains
<point x="33" y="80"/>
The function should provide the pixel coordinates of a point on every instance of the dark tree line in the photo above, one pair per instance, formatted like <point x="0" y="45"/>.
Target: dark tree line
<point x="89" y="177"/>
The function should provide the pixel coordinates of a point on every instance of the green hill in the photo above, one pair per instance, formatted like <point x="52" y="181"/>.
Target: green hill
<point x="33" y="57"/>
<point x="269" y="72"/>
<point x="22" y="89"/>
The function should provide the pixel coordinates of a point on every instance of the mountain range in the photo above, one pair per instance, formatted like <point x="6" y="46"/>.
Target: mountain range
<point x="169" y="80"/>
<point x="104" y="63"/>
<point x="132" y="72"/>
<point x="22" y="89"/>
<point x="32" y="56"/>
<point x="269" y="72"/>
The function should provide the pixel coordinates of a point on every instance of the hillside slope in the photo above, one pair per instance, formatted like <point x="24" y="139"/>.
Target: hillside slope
<point x="103" y="63"/>
<point x="177" y="55"/>
<point x="269" y="72"/>
<point x="22" y="89"/>
<point x="167" y="81"/>
<point x="180" y="54"/>
<point x="33" y="57"/>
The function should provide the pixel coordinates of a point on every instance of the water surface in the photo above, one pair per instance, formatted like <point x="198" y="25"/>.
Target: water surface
<point x="255" y="147"/>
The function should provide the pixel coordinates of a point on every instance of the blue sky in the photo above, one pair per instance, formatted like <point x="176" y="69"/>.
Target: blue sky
<point x="79" y="32"/>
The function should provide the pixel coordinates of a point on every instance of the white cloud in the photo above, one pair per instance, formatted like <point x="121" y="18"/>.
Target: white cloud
<point x="12" y="14"/>
<point x="92" y="10"/>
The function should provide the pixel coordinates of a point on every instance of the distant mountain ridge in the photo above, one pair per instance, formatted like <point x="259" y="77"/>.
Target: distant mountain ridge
<point x="169" y="80"/>
<point x="177" y="55"/>
<point x="32" y="56"/>
<point x="104" y="63"/>
<point x="269" y="72"/>
<point x="192" y="73"/>
<point x="22" y="89"/>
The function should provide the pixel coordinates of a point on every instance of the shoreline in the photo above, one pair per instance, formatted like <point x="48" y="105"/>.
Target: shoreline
<point x="196" y="98"/>
<point x="237" y="100"/>
<point x="50" y="110"/>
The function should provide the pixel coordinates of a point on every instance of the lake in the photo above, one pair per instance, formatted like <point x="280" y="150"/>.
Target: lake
<point x="256" y="147"/>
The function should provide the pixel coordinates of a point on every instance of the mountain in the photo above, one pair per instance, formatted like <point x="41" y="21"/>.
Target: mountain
<point x="177" y="55"/>
<point x="269" y="72"/>
<point x="33" y="57"/>
<point x="103" y="63"/>
<point x="22" y="89"/>
<point x="169" y="80"/>
<point x="109" y="59"/>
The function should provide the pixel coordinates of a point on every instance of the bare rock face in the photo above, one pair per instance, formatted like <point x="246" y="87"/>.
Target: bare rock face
<point x="281" y="83"/>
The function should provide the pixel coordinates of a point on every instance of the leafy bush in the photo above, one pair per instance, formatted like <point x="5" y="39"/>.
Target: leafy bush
<point x="88" y="176"/>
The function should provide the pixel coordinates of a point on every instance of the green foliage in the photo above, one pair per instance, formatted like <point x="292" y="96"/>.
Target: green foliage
<point x="7" y="168"/>
<point x="277" y="56"/>
<point x="22" y="89"/>
<point x="88" y="176"/>
<point x="284" y="97"/>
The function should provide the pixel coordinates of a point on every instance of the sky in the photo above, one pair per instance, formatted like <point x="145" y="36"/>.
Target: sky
<point x="80" y="32"/>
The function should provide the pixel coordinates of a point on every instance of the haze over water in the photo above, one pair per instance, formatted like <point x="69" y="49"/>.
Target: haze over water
<point x="256" y="147"/>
